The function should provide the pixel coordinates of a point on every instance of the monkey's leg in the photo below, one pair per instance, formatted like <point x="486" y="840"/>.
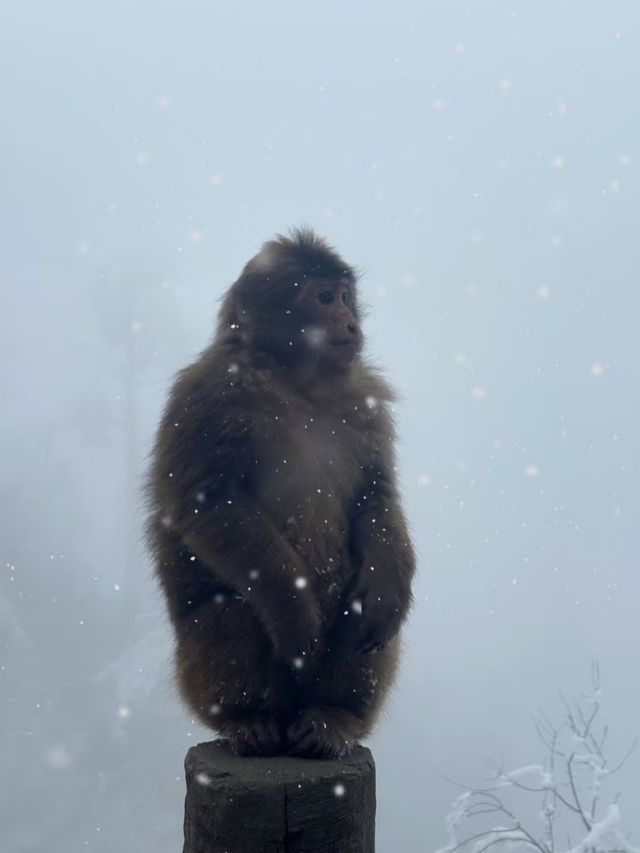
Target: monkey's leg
<point x="342" y="703"/>
<point x="227" y="675"/>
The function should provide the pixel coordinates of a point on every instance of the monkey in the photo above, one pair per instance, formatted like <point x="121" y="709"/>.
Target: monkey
<point x="275" y="524"/>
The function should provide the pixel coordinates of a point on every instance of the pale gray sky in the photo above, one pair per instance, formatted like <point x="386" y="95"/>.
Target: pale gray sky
<point x="479" y="161"/>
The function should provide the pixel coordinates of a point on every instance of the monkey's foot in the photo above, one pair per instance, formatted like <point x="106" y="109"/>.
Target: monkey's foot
<point x="323" y="733"/>
<point x="256" y="734"/>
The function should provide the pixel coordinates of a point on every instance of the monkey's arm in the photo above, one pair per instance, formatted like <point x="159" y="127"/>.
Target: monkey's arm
<point x="203" y="463"/>
<point x="382" y="549"/>
<point x="236" y="538"/>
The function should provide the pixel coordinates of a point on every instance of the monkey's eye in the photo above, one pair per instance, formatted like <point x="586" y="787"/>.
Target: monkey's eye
<point x="325" y="297"/>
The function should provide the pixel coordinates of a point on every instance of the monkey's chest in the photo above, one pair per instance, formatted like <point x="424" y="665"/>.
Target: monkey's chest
<point x="306" y="480"/>
<point x="307" y="472"/>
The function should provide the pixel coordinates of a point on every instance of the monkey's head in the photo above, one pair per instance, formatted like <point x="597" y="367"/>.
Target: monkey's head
<point x="296" y="302"/>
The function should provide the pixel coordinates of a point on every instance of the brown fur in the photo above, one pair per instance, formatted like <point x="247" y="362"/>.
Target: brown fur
<point x="274" y="508"/>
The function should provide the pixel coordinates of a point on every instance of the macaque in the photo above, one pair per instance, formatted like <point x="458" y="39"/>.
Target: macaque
<point x="276" y="525"/>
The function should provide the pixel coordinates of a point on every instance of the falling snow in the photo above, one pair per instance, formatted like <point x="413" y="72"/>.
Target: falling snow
<point x="481" y="172"/>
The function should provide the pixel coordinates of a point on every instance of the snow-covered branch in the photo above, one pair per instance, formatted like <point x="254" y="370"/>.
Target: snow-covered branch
<point x="570" y="785"/>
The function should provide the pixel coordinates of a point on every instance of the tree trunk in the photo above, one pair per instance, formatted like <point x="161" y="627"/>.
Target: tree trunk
<point x="278" y="805"/>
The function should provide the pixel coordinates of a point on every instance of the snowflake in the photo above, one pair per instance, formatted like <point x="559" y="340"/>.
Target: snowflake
<point x="58" y="757"/>
<point x="316" y="336"/>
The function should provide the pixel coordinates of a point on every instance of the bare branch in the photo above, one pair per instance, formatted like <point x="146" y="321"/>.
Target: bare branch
<point x="574" y="791"/>
<point x="503" y="841"/>
<point x="547" y="733"/>
<point x="471" y="790"/>
<point x="553" y="790"/>
<point x="489" y="810"/>
<point x="569" y="714"/>
<point x="478" y="835"/>
<point x="625" y="758"/>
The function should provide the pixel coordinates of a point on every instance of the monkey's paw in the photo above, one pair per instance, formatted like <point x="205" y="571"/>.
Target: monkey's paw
<point x="323" y="733"/>
<point x="257" y="734"/>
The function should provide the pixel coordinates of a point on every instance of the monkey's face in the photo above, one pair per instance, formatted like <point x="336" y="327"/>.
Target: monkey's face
<point x="328" y="331"/>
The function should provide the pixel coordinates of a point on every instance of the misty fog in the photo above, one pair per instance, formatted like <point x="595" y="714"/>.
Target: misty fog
<point x="478" y="162"/>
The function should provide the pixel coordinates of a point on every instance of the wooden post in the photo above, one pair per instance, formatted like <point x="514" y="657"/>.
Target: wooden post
<point x="278" y="805"/>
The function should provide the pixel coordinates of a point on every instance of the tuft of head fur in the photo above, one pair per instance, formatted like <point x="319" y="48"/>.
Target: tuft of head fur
<point x="302" y="252"/>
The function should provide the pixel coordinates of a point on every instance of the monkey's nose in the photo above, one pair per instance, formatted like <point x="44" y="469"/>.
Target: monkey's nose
<point x="352" y="328"/>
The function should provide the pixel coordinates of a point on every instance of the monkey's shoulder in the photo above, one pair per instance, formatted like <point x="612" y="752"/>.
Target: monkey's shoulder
<point x="216" y="390"/>
<point x="221" y="401"/>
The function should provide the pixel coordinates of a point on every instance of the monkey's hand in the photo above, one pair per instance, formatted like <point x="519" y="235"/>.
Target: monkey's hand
<point x="297" y="636"/>
<point x="374" y="610"/>
<point x="383" y="554"/>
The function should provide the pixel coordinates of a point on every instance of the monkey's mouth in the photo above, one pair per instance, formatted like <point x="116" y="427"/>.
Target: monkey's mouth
<point x="348" y="343"/>
<point x="345" y="351"/>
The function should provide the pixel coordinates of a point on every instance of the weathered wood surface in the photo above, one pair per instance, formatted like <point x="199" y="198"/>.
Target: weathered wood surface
<point x="278" y="805"/>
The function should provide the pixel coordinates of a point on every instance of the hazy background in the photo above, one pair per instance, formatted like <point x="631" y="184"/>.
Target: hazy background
<point x="479" y="161"/>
